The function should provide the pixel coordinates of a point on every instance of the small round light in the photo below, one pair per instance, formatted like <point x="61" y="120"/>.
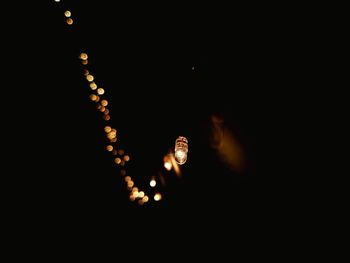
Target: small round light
<point x="69" y="21"/>
<point x="152" y="183"/>
<point x="157" y="197"/>
<point x="67" y="13"/>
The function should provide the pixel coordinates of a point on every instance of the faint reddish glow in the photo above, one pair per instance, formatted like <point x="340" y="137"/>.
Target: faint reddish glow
<point x="102" y="108"/>
<point x="109" y="148"/>
<point x="112" y="134"/>
<point x="86" y="72"/>
<point x="132" y="198"/>
<point x="113" y="140"/>
<point x="120" y="151"/>
<point x="122" y="163"/>
<point x="140" y="202"/>
<point x="114" y="152"/>
<point x="152" y="183"/>
<point x="107" y="117"/>
<point x="97" y="98"/>
<point x="157" y="197"/>
<point x="123" y="172"/>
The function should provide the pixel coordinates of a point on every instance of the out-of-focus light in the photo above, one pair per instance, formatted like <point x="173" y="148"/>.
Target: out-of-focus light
<point x="106" y="112"/>
<point x="181" y="149"/>
<point x="93" y="85"/>
<point x="168" y="165"/>
<point x="69" y="21"/>
<point x="140" y="202"/>
<point x="100" y="91"/>
<point x="130" y="183"/>
<point x="132" y="198"/>
<point x="135" y="189"/>
<point x="141" y="194"/>
<point x="67" y="13"/>
<point x="111" y="135"/>
<point x="93" y="97"/>
<point x="86" y="72"/>
<point x="123" y="172"/>
<point x="126" y="158"/>
<point x="117" y="160"/>
<point x="109" y="148"/>
<point x="120" y="151"/>
<point x="90" y="78"/>
<point x="97" y="98"/>
<point x="122" y="163"/>
<point x="157" y="197"/>
<point x="107" y="117"/>
<point x="135" y="194"/>
<point x="102" y="108"/>
<point x="127" y="178"/>
<point x="153" y="183"/>
<point x="104" y="103"/>
<point x="83" y="56"/>
<point x="108" y="129"/>
<point x="84" y="62"/>
<point x="114" y="152"/>
<point x="113" y="140"/>
<point x="145" y="199"/>
<point x="57" y="1"/>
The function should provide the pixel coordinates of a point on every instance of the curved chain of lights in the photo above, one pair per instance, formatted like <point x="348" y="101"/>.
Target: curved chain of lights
<point x="171" y="161"/>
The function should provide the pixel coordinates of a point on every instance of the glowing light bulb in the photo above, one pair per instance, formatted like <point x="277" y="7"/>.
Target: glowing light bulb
<point x="157" y="197"/>
<point x="152" y="183"/>
<point x="181" y="149"/>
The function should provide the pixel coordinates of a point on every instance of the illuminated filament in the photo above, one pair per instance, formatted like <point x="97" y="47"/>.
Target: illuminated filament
<point x="181" y="149"/>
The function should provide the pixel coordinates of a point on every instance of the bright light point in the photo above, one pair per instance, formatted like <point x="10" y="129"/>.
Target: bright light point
<point x="117" y="160"/>
<point x="90" y="78"/>
<point x="181" y="149"/>
<point x="93" y="86"/>
<point x="69" y="21"/>
<point x="127" y="178"/>
<point x="157" y="197"/>
<point x="152" y="183"/>
<point x="100" y="91"/>
<point x="112" y="134"/>
<point x="141" y="194"/>
<point x="104" y="103"/>
<point x="126" y="158"/>
<point x="145" y="199"/>
<point x="83" y="56"/>
<point x="168" y="165"/>
<point x="57" y="1"/>
<point x="109" y="148"/>
<point x="108" y="129"/>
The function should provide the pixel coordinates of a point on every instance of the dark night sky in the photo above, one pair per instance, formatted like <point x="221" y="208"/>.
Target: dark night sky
<point x="143" y="57"/>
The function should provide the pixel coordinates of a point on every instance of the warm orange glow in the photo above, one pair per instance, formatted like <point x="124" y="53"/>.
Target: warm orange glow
<point x="152" y="183"/>
<point x="135" y="189"/>
<point x="117" y="160"/>
<point x="140" y="201"/>
<point x="97" y="98"/>
<point x="157" y="197"/>
<point x="108" y="129"/>
<point x="93" y="85"/>
<point x="93" y="97"/>
<point x="67" y="13"/>
<point x="145" y="199"/>
<point x="104" y="103"/>
<point x="90" y="78"/>
<point x="120" y="152"/>
<point x="126" y="158"/>
<point x="69" y="21"/>
<point x="141" y="194"/>
<point x="84" y="62"/>
<point x="109" y="148"/>
<point x="114" y="152"/>
<point x="102" y="108"/>
<point x="106" y="112"/>
<point x="127" y="178"/>
<point x="100" y="91"/>
<point x="132" y="198"/>
<point x="130" y="183"/>
<point x="83" y="56"/>
<point x="107" y="117"/>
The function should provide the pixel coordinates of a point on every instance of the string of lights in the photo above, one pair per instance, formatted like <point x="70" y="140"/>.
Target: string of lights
<point x="171" y="160"/>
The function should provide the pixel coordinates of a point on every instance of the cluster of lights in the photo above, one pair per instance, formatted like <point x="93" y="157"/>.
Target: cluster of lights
<point x="97" y="96"/>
